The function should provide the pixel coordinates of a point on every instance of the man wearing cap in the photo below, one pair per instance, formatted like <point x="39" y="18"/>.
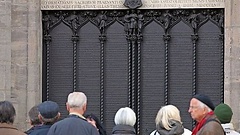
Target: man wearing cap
<point x="224" y="114"/>
<point x="201" y="109"/>
<point x="48" y="115"/>
<point x="75" y="123"/>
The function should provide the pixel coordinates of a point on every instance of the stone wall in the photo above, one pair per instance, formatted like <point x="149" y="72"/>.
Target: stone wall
<point x="20" y="56"/>
<point x="232" y="58"/>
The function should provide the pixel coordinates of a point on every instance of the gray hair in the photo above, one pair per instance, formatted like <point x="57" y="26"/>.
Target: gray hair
<point x="166" y="113"/>
<point x="76" y="99"/>
<point x="202" y="105"/>
<point x="125" y="116"/>
<point x="50" y="120"/>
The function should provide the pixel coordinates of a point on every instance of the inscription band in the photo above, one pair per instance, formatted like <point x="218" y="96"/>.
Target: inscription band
<point x="118" y="4"/>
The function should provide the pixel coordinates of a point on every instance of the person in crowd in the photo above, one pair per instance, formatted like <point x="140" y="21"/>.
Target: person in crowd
<point x="168" y="122"/>
<point x="201" y="109"/>
<point x="224" y="114"/>
<point x="33" y="119"/>
<point x="91" y="118"/>
<point x="48" y="115"/>
<point x="75" y="123"/>
<point x="7" y="115"/>
<point x="125" y="119"/>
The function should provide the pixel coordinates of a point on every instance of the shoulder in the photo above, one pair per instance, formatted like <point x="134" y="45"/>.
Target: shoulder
<point x="212" y="127"/>
<point x="74" y="124"/>
<point x="10" y="129"/>
<point x="187" y="132"/>
<point x="154" y="133"/>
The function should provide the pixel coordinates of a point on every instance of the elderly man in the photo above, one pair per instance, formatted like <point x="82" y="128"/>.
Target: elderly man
<point x="7" y="115"/>
<point x="75" y="123"/>
<point x="201" y="109"/>
<point x="48" y="115"/>
<point x="33" y="119"/>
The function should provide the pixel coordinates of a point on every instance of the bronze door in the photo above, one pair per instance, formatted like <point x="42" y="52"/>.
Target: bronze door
<point x="143" y="59"/>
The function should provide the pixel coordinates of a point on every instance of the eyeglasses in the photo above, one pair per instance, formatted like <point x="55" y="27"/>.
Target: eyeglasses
<point x="193" y="107"/>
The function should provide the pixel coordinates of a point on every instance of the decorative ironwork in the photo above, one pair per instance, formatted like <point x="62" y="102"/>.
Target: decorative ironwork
<point x="102" y="39"/>
<point x="139" y="41"/>
<point x="75" y="40"/>
<point x="134" y="21"/>
<point x="102" y="22"/>
<point x="166" y="39"/>
<point x="46" y="23"/>
<point x="47" y="39"/>
<point x="133" y="4"/>
<point x="194" y="71"/>
<point x="74" y="23"/>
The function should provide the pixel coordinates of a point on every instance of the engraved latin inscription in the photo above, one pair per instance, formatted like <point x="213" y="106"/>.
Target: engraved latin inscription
<point x="118" y="4"/>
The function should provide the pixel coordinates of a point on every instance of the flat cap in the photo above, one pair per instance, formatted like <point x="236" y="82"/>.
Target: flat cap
<point x="48" y="109"/>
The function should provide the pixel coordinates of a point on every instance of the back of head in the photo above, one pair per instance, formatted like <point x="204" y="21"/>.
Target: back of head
<point x="33" y="115"/>
<point x="76" y="99"/>
<point x="166" y="113"/>
<point x="125" y="116"/>
<point x="224" y="113"/>
<point x="7" y="112"/>
<point x="49" y="111"/>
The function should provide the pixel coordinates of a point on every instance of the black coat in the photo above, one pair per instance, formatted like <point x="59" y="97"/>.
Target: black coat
<point x="123" y="130"/>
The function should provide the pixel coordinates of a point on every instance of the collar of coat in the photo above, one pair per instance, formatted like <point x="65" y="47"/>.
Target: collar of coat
<point x="6" y="125"/>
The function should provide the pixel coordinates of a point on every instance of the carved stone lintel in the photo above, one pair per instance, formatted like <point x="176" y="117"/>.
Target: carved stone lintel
<point x="133" y="4"/>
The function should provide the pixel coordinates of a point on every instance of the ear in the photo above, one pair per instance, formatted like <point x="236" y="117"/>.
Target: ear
<point x="84" y="107"/>
<point x="205" y="110"/>
<point x="40" y="117"/>
<point x="58" y="116"/>
<point x="67" y="107"/>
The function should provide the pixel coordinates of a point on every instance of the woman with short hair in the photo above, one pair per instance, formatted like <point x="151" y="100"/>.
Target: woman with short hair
<point x="168" y="122"/>
<point x="125" y="119"/>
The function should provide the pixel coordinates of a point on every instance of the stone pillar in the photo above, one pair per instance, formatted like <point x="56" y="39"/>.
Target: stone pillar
<point x="5" y="49"/>
<point x="232" y="58"/>
<point x="20" y="56"/>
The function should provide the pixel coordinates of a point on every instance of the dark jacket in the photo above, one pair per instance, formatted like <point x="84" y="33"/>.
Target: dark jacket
<point x="123" y="130"/>
<point x="72" y="125"/>
<point x="40" y="130"/>
<point x="8" y="129"/>
<point x="211" y="127"/>
<point x="32" y="129"/>
<point x="177" y="129"/>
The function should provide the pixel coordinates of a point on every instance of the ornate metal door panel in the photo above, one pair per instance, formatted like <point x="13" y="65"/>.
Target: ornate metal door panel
<point x="143" y="59"/>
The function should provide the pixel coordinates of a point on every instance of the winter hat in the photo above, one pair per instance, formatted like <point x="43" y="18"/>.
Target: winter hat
<point x="224" y="113"/>
<point x="205" y="99"/>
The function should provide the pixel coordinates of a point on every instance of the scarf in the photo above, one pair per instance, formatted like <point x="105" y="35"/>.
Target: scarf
<point x="201" y="123"/>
